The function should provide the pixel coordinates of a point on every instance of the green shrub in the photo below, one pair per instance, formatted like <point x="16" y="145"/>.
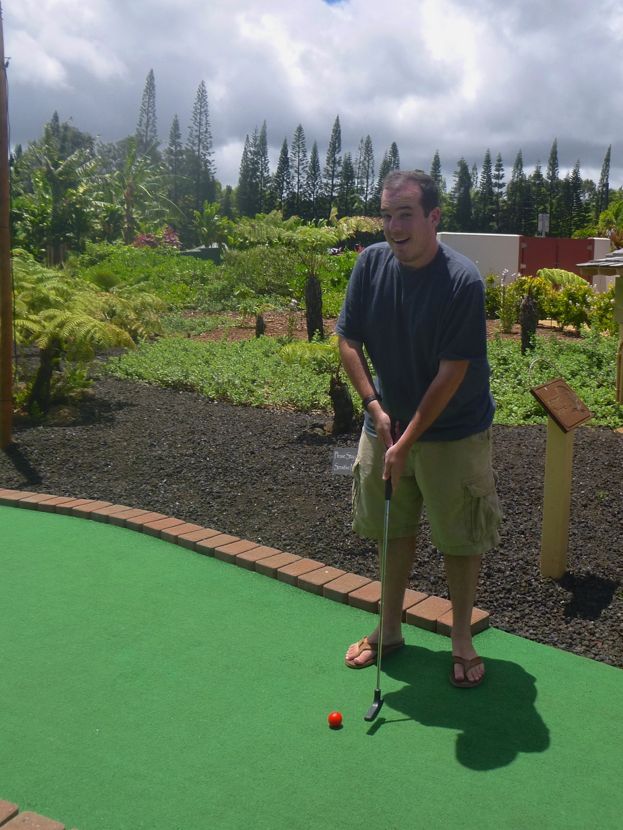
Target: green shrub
<point x="602" y="312"/>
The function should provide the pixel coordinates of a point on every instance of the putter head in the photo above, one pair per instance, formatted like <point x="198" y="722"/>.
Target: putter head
<point x="376" y="706"/>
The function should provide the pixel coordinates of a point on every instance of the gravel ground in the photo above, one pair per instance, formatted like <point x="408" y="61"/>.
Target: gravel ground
<point x="266" y="476"/>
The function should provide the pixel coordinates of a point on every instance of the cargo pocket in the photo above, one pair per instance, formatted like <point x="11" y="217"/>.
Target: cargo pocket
<point x="482" y="509"/>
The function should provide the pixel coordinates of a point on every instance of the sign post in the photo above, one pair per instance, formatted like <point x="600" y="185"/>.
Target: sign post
<point x="565" y="412"/>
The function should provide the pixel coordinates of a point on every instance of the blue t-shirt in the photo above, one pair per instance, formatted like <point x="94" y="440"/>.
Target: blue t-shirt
<point x="408" y="319"/>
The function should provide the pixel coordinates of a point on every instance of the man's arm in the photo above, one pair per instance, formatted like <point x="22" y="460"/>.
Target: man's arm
<point x="438" y="395"/>
<point x="356" y="367"/>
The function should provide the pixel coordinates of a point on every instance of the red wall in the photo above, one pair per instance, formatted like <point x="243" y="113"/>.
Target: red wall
<point x="553" y="252"/>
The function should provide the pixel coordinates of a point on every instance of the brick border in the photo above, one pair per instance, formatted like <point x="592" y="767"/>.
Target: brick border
<point x="12" y="819"/>
<point x="421" y="610"/>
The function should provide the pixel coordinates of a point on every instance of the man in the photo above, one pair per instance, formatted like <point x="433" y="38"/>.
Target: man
<point x="417" y="307"/>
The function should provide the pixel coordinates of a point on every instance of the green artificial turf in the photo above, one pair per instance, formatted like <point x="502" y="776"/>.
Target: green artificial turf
<point x="143" y="685"/>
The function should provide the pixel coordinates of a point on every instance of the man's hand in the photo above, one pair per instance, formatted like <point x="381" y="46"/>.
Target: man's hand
<point x="394" y="463"/>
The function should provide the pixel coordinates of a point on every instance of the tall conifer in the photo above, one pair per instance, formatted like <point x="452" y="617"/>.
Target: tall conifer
<point x="146" y="129"/>
<point x="298" y="168"/>
<point x="333" y="165"/>
<point x="199" y="149"/>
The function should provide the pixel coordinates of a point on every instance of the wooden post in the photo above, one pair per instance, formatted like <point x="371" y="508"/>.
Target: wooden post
<point x="618" y="316"/>
<point x="556" y="500"/>
<point x="6" y="292"/>
<point x="565" y="412"/>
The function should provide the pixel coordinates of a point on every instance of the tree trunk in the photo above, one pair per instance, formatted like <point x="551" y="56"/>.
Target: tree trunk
<point x="39" y="398"/>
<point x="260" y="325"/>
<point x="343" y="409"/>
<point x="313" y="307"/>
<point x="528" y="319"/>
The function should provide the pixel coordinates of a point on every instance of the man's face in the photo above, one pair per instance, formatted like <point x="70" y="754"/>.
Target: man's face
<point x="411" y="235"/>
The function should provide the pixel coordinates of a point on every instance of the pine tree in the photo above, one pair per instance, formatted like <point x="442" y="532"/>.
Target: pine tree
<point x="435" y="172"/>
<point x="461" y="198"/>
<point x="485" y="198"/>
<point x="602" y="197"/>
<point x="332" y="167"/>
<point x="260" y="150"/>
<point x="553" y="190"/>
<point x="199" y="150"/>
<point x="365" y="174"/>
<point x="579" y="211"/>
<point x="393" y="157"/>
<point x="298" y="168"/>
<point x="516" y="198"/>
<point x="246" y="193"/>
<point x="498" y="192"/>
<point x="347" y="190"/>
<point x="227" y="203"/>
<point x="174" y="158"/>
<point x="146" y="129"/>
<point x="282" y="183"/>
<point x="313" y="184"/>
<point x="539" y="197"/>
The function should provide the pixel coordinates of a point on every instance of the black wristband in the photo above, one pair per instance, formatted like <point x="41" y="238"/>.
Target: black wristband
<point x="368" y="400"/>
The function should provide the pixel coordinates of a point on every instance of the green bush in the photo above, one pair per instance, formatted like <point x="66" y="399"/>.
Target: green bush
<point x="602" y="312"/>
<point x="176" y="279"/>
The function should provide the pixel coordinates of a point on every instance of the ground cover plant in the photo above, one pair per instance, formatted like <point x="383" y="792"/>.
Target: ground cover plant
<point x="257" y="372"/>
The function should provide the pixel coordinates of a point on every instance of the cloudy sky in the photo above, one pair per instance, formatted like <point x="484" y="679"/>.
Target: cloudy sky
<point x="459" y="76"/>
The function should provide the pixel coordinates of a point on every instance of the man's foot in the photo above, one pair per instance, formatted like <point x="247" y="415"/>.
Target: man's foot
<point x="364" y="653"/>
<point x="467" y="672"/>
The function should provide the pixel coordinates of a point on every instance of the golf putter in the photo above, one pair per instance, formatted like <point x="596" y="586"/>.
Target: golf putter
<point x="378" y="700"/>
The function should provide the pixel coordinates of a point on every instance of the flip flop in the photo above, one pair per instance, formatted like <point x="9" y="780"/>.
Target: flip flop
<point x="365" y="645"/>
<point x="467" y="665"/>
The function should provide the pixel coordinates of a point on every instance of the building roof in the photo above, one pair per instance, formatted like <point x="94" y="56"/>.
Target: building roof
<point x="612" y="260"/>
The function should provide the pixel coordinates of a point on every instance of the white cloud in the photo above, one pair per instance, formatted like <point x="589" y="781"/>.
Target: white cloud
<point x="452" y="75"/>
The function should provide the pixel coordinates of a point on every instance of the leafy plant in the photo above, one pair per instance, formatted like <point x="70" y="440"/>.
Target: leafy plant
<point x="69" y="319"/>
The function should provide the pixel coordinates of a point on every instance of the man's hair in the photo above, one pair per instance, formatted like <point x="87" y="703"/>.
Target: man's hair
<point x="426" y="183"/>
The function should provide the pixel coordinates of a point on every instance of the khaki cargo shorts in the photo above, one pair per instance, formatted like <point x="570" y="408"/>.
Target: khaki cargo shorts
<point x="453" y="480"/>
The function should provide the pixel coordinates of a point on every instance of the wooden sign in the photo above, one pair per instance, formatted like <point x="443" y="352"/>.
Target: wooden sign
<point x="562" y="404"/>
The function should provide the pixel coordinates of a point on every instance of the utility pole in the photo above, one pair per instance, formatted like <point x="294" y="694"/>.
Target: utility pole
<point x="6" y="292"/>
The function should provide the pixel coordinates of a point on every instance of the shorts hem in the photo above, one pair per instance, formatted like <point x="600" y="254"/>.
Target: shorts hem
<point x="473" y="549"/>
<point x="367" y="532"/>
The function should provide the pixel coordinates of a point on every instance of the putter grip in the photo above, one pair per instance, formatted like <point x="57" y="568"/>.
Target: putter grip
<point x="388" y="489"/>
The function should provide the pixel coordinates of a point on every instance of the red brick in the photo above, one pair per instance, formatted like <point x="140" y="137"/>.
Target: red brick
<point x="32" y="502"/>
<point x="52" y="505"/>
<point x="249" y="558"/>
<point x="270" y="566"/>
<point x="228" y="552"/>
<point x="156" y="527"/>
<point x="142" y="518"/>
<point x="426" y="613"/>
<point x="33" y="821"/>
<point x="172" y="533"/>
<point x="85" y="510"/>
<point x="189" y="540"/>
<point x="314" y="581"/>
<point x="67" y="507"/>
<point x="367" y="598"/>
<point x="207" y="546"/>
<point x="291" y="573"/>
<point x="480" y="621"/>
<point x="119" y="519"/>
<point x="339" y="589"/>
<point x="7" y="811"/>
<point x="411" y="598"/>
<point x="104" y="513"/>
<point x="12" y="496"/>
